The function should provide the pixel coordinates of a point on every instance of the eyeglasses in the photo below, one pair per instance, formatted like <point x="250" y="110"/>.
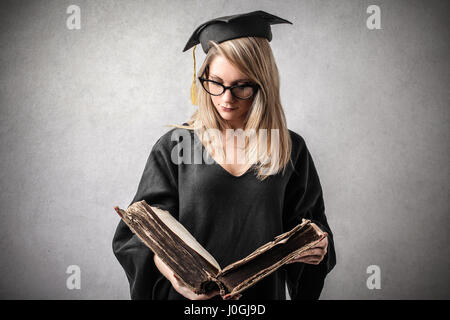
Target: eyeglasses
<point x="239" y="91"/>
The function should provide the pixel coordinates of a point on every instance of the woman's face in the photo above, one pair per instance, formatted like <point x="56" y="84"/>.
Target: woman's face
<point x="231" y="109"/>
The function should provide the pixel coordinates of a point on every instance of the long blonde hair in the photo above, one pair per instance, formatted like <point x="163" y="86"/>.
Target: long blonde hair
<point x="254" y="58"/>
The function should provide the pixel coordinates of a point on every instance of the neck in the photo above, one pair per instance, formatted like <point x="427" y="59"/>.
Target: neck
<point x="234" y="125"/>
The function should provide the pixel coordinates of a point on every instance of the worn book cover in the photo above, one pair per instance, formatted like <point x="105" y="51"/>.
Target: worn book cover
<point x="196" y="267"/>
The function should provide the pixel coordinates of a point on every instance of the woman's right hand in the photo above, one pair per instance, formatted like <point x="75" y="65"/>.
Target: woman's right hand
<point x="178" y="284"/>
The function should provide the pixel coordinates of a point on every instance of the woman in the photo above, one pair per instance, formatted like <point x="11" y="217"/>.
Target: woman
<point x="232" y="204"/>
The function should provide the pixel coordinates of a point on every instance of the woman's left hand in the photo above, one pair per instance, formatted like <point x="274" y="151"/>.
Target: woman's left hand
<point x="313" y="255"/>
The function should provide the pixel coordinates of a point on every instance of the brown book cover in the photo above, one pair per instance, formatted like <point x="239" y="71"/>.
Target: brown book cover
<point x="196" y="267"/>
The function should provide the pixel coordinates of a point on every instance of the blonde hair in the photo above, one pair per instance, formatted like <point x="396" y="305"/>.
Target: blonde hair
<point x="254" y="58"/>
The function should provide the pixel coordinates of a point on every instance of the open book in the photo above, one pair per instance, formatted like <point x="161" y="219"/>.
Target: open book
<point x="196" y="267"/>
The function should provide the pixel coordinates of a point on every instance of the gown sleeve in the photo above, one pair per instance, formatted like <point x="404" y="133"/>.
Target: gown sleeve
<point x="158" y="187"/>
<point x="304" y="199"/>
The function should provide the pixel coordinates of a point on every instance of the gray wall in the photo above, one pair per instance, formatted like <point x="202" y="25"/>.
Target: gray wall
<point x="81" y="109"/>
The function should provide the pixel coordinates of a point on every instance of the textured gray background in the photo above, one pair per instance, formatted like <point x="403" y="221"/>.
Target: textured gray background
<point x="81" y="109"/>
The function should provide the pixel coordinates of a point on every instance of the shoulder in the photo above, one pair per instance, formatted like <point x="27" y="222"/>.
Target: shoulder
<point x="171" y="138"/>
<point x="296" y="138"/>
<point x="298" y="144"/>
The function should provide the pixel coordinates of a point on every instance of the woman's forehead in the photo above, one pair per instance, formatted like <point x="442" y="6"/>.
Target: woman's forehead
<point x="225" y="70"/>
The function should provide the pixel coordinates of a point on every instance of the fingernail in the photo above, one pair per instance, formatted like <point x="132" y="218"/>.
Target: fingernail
<point x="118" y="211"/>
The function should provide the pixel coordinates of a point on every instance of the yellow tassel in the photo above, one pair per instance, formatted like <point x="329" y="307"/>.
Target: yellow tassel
<point x="194" y="87"/>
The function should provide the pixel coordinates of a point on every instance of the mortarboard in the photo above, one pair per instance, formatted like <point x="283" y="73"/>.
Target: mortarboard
<point x="252" y="24"/>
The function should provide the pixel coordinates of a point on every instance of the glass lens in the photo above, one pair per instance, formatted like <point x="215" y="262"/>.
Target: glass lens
<point x="243" y="92"/>
<point x="213" y="87"/>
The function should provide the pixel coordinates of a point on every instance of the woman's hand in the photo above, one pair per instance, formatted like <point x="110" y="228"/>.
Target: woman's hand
<point x="313" y="255"/>
<point x="178" y="284"/>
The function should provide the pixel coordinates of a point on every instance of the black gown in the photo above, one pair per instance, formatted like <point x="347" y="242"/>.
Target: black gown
<point x="230" y="216"/>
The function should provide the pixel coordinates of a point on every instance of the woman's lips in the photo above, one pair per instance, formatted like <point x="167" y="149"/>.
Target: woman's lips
<point x="227" y="109"/>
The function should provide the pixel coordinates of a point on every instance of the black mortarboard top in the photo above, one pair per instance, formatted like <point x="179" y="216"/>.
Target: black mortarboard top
<point x="251" y="24"/>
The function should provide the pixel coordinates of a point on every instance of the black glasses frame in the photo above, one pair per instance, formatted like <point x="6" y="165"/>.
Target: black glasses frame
<point x="255" y="87"/>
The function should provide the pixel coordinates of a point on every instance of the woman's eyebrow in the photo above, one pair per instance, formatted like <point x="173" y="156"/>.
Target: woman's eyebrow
<point x="239" y="80"/>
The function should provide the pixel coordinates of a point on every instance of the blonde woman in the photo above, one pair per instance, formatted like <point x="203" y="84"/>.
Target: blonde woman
<point x="234" y="175"/>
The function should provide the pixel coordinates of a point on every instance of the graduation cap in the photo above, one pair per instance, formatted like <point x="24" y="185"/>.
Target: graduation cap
<point x="251" y="24"/>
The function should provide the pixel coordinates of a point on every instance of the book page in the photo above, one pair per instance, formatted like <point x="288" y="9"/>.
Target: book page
<point x="176" y="227"/>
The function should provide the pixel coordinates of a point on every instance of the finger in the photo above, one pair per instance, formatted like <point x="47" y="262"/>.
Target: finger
<point x="307" y="259"/>
<point x="228" y="297"/>
<point x="206" y="296"/>
<point x="318" y="252"/>
<point x="311" y="252"/>
<point x="191" y="295"/>
<point x="313" y="260"/>
<point x="302" y="259"/>
<point x="180" y="283"/>
<point x="180" y="287"/>
<point x="322" y="243"/>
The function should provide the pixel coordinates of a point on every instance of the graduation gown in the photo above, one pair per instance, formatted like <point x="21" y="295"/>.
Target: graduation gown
<point x="230" y="216"/>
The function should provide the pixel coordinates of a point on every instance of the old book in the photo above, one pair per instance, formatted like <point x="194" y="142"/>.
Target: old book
<point x="196" y="267"/>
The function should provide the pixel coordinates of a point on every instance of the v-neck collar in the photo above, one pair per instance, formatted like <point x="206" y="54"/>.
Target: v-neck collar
<point x="216" y="164"/>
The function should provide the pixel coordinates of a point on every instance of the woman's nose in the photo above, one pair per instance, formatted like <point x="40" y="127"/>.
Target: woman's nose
<point x="227" y="96"/>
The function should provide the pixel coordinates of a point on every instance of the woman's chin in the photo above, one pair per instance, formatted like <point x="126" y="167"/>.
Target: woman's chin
<point x="226" y="116"/>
